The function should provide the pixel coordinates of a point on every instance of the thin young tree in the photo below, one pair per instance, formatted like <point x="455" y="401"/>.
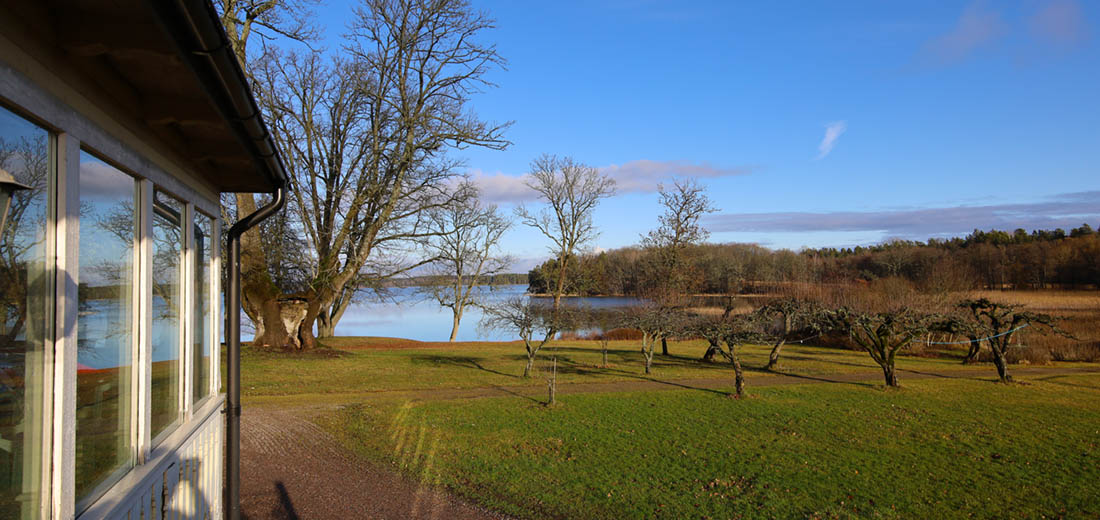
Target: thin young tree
<point x="466" y="253"/>
<point x="604" y="320"/>
<point x="571" y="192"/>
<point x="685" y="202"/>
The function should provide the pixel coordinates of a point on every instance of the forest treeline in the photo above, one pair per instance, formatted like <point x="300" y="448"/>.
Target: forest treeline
<point x="984" y="259"/>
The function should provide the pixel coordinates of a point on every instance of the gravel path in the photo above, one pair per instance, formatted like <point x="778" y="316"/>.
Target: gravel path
<point x="291" y="468"/>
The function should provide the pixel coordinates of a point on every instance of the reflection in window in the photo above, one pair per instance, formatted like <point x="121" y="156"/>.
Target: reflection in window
<point x="167" y="301"/>
<point x="25" y="315"/>
<point x="204" y="318"/>
<point x="105" y="324"/>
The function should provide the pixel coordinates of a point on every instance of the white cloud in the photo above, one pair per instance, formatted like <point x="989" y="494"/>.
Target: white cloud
<point x="832" y="133"/>
<point x="1061" y="22"/>
<point x="976" y="27"/>
<point x="501" y="187"/>
<point x="1067" y="210"/>
<point x="640" y="176"/>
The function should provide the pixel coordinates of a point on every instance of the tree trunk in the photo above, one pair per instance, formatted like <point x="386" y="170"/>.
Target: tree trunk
<point x="457" y="317"/>
<point x="648" y="362"/>
<point x="891" y="375"/>
<point x="972" y="353"/>
<point x="561" y="284"/>
<point x="258" y="291"/>
<point x="552" y="383"/>
<point x="530" y="363"/>
<point x="326" y="327"/>
<point x="712" y="350"/>
<point x="1002" y="364"/>
<point x="605" y="353"/>
<point x="773" y="358"/>
<point x="664" y="346"/>
<point x="739" y="376"/>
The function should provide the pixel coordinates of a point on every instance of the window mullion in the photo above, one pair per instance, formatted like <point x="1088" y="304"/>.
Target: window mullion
<point x="63" y="467"/>
<point x="143" y="319"/>
<point x="187" y="308"/>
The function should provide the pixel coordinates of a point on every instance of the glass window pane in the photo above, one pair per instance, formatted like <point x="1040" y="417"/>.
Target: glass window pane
<point x="167" y="294"/>
<point x="105" y="323"/>
<point x="204" y="319"/>
<point x="25" y="314"/>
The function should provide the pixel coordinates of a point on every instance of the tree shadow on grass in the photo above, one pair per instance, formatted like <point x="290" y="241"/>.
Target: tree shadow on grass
<point x="832" y="361"/>
<point x="514" y="393"/>
<point x="942" y="376"/>
<point x="459" y="361"/>
<point x="820" y="379"/>
<point x="632" y="375"/>
<point x="1051" y="380"/>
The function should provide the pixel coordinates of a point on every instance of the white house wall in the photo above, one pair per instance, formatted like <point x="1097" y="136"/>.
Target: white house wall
<point x="180" y="476"/>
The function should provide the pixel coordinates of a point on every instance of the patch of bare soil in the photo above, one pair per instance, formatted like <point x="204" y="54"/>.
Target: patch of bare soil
<point x="291" y="469"/>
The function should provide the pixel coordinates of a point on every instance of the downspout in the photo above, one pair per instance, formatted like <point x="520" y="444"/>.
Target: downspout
<point x="233" y="354"/>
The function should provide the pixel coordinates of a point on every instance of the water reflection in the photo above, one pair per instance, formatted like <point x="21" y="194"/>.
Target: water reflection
<point x="409" y="315"/>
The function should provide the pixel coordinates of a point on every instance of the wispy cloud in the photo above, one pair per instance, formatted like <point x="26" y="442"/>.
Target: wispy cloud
<point x="832" y="133"/>
<point x="641" y="176"/>
<point x="1061" y="22"/>
<point x="977" y="26"/>
<point x="1065" y="211"/>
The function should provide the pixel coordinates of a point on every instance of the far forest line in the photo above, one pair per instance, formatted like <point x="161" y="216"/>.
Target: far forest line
<point x="982" y="260"/>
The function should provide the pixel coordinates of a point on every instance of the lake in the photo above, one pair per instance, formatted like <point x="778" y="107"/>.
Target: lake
<point x="409" y="315"/>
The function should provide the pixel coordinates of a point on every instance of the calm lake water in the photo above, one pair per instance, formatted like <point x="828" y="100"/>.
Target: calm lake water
<point x="411" y="316"/>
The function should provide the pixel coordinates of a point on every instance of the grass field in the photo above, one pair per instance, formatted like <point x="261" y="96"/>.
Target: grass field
<point x="955" y="447"/>
<point x="934" y="449"/>
<point x="358" y="365"/>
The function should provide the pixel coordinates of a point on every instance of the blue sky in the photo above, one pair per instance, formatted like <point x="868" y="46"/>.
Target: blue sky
<point x="810" y="123"/>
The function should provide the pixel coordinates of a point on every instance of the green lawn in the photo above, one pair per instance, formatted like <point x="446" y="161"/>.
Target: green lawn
<point x="347" y="370"/>
<point x="935" y="448"/>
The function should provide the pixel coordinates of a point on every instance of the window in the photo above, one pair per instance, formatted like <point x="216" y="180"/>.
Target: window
<point x="105" y="325"/>
<point x="25" y="316"/>
<point x="167" y="332"/>
<point x="203" y="317"/>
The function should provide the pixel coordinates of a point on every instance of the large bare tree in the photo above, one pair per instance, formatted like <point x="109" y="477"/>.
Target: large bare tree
<point x="364" y="136"/>
<point x="685" y="202"/>
<point x="466" y="253"/>
<point x="571" y="191"/>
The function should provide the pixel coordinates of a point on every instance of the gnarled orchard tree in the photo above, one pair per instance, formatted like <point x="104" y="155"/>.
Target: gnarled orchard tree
<point x="881" y="334"/>
<point x="364" y="138"/>
<point x="788" y="316"/>
<point x="655" y="323"/>
<point x="731" y="332"/>
<point x="534" y="323"/>
<point x="962" y="324"/>
<point x="571" y="192"/>
<point x="999" y="322"/>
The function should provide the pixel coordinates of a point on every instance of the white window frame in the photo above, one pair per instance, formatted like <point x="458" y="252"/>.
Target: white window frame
<point x="71" y="132"/>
